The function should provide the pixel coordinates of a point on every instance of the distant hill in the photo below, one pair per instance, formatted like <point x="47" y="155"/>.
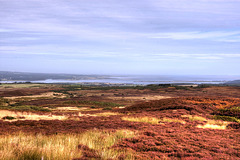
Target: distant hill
<point x="25" y="76"/>
<point x="235" y="82"/>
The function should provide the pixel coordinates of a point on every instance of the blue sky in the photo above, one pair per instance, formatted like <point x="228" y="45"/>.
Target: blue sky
<point x="160" y="37"/>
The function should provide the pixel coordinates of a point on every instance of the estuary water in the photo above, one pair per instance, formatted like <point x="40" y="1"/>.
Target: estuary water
<point x="143" y="80"/>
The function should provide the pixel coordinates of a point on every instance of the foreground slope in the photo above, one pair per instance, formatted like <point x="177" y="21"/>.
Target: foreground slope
<point x="120" y="123"/>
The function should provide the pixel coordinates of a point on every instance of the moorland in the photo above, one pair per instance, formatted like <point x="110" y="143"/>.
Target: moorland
<point x="73" y="121"/>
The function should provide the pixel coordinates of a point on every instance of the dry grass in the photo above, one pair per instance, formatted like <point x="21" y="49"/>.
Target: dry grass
<point x="26" y="147"/>
<point x="68" y="109"/>
<point x="34" y="116"/>
<point x="173" y="120"/>
<point x="212" y="126"/>
<point x="43" y="95"/>
<point x="102" y="141"/>
<point x="62" y="147"/>
<point x="12" y="85"/>
<point x="143" y="97"/>
<point x="106" y="114"/>
<point x="195" y="118"/>
<point x="152" y="120"/>
<point x="30" y="116"/>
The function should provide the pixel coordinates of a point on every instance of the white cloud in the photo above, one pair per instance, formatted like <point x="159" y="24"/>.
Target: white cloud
<point x="209" y="57"/>
<point x="220" y="7"/>
<point x="124" y="31"/>
<point x="214" y="35"/>
<point x="217" y="56"/>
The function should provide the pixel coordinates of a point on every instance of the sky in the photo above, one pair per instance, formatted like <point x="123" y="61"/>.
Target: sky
<point x="136" y="37"/>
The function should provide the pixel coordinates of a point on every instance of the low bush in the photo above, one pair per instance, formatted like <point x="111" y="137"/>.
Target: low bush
<point x="8" y="118"/>
<point x="4" y="102"/>
<point x="107" y="108"/>
<point x="195" y="118"/>
<point x="226" y="118"/>
<point x="230" y="112"/>
<point x="25" y="108"/>
<point x="182" y="87"/>
<point x="94" y="103"/>
<point x="152" y="120"/>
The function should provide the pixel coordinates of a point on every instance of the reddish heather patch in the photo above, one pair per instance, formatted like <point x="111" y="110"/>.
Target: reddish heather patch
<point x="195" y="105"/>
<point x="22" y="91"/>
<point x="169" y="140"/>
<point x="184" y="143"/>
<point x="67" y="126"/>
<point x="87" y="153"/>
<point x="234" y="126"/>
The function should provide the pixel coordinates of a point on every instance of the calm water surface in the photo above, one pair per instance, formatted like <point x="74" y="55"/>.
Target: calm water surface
<point x="144" y="80"/>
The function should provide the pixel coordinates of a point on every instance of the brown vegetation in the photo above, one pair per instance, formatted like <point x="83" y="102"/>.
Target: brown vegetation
<point x="196" y="123"/>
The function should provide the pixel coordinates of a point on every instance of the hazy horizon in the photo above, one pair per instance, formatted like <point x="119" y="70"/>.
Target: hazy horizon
<point x="147" y="37"/>
<point x="22" y="77"/>
<point x="238" y="75"/>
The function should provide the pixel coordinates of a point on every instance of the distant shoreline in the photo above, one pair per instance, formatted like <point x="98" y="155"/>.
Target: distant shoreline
<point x="113" y="81"/>
<point x="22" y="77"/>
